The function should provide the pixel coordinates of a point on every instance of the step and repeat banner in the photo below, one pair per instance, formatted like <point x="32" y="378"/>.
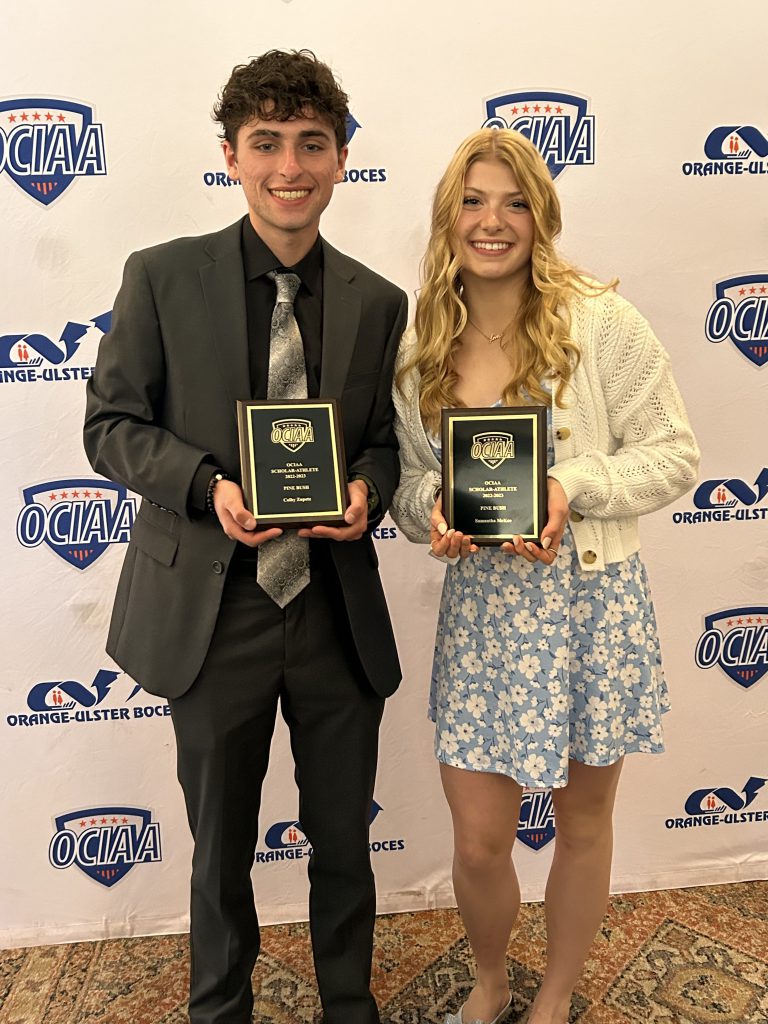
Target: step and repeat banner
<point x="656" y="130"/>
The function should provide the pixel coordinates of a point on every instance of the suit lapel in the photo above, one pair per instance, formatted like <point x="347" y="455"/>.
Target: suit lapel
<point x="341" y="319"/>
<point x="223" y="286"/>
<point x="224" y="292"/>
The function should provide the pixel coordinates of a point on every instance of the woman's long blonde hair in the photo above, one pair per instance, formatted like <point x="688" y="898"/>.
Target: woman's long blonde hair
<point x="541" y="342"/>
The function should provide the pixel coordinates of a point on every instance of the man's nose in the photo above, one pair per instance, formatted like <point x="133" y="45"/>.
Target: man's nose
<point x="290" y="167"/>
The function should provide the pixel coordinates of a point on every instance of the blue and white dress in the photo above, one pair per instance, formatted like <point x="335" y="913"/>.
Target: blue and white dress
<point x="536" y="664"/>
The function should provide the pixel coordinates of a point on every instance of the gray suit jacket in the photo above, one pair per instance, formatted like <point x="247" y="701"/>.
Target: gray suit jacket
<point x="162" y="399"/>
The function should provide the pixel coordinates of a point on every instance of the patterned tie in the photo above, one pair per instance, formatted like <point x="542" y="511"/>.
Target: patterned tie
<point x="283" y="563"/>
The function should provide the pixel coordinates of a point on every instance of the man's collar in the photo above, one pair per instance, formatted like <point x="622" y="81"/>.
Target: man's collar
<point x="258" y="260"/>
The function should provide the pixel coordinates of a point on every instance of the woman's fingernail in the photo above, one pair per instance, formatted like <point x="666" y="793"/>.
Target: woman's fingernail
<point x="442" y="529"/>
<point x="530" y="547"/>
<point x="516" y="539"/>
<point x="450" y="533"/>
<point x="546" y="543"/>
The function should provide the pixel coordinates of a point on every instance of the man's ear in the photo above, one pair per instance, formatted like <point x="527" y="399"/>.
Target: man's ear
<point x="230" y="158"/>
<point x="339" y="176"/>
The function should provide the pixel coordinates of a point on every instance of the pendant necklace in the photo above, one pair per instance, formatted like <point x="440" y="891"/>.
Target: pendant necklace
<point x="491" y="337"/>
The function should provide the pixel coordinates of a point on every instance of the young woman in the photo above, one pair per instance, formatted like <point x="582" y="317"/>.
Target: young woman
<point x="546" y="669"/>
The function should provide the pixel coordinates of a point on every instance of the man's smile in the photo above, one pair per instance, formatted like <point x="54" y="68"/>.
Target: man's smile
<point x="289" y="195"/>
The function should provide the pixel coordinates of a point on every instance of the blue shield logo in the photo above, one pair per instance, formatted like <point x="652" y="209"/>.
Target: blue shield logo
<point x="740" y="313"/>
<point x="536" y="827"/>
<point x="77" y="519"/>
<point x="737" y="641"/>
<point x="557" y="123"/>
<point x="105" y="842"/>
<point x="46" y="143"/>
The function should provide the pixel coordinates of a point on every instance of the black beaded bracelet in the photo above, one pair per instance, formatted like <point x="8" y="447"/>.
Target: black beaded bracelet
<point x="215" y="479"/>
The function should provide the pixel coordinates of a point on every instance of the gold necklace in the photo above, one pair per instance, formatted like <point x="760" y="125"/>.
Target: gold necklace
<point x="491" y="337"/>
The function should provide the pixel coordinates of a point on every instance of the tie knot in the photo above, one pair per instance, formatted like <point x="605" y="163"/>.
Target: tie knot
<point x="287" y="285"/>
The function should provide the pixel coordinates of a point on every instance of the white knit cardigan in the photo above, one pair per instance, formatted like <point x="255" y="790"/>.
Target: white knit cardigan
<point x="623" y="443"/>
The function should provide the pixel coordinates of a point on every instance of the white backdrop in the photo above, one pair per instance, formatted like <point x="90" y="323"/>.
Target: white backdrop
<point x="668" y="193"/>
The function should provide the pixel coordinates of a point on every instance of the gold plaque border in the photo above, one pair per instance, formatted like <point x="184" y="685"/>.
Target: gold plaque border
<point x="504" y="412"/>
<point x="295" y="407"/>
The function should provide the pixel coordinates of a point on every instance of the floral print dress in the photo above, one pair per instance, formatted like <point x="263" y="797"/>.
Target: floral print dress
<point x="536" y="664"/>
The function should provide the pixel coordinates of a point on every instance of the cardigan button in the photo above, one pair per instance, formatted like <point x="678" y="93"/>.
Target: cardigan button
<point x="563" y="433"/>
<point x="590" y="557"/>
<point x="576" y="517"/>
<point x="218" y="567"/>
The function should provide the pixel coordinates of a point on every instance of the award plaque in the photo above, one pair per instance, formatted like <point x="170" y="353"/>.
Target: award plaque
<point x="495" y="472"/>
<point x="292" y="460"/>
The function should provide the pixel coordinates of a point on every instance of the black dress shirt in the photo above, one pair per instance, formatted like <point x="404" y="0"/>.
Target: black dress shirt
<point x="260" y="296"/>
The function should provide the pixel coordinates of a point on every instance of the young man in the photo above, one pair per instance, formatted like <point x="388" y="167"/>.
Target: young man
<point x="197" y="325"/>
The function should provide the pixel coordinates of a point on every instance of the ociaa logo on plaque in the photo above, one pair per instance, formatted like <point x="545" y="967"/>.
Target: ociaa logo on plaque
<point x="493" y="447"/>
<point x="292" y="434"/>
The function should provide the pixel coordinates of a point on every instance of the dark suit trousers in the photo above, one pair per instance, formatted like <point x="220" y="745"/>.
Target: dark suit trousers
<point x="303" y="659"/>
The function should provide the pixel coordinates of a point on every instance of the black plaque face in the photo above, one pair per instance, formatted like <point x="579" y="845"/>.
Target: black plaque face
<point x="495" y="472"/>
<point x="292" y="461"/>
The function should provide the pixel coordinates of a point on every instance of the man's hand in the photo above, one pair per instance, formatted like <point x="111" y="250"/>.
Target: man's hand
<point x="445" y="542"/>
<point x="236" y="521"/>
<point x="552" y="534"/>
<point x="356" y="517"/>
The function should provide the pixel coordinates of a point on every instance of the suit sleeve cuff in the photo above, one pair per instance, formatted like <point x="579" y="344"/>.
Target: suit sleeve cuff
<point x="373" y="492"/>
<point x="199" y="487"/>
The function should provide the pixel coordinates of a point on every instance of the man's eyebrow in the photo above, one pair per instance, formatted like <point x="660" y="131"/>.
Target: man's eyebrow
<point x="306" y="133"/>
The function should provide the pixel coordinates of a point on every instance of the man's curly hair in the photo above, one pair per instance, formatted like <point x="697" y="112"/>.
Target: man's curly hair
<point x="277" y="86"/>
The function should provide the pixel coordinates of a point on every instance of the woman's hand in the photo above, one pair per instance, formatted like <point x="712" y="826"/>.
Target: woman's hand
<point x="445" y="542"/>
<point x="558" y="512"/>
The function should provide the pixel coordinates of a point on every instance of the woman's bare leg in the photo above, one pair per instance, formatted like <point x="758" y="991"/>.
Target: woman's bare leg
<point x="485" y="808"/>
<point x="578" y="883"/>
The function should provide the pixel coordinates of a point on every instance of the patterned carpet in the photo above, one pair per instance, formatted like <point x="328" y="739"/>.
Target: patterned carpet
<point x="694" y="956"/>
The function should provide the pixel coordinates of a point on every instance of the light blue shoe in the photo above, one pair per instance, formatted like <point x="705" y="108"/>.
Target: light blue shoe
<point x="457" y="1018"/>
